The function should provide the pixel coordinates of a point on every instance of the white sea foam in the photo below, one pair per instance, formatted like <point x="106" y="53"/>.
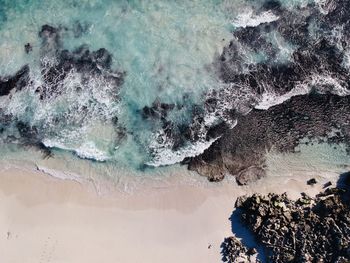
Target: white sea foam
<point x="89" y="151"/>
<point x="60" y="174"/>
<point x="325" y="6"/>
<point x="321" y="83"/>
<point x="51" y="143"/>
<point x="166" y="156"/>
<point x="346" y="61"/>
<point x="249" y="19"/>
<point x="165" y="60"/>
<point x="269" y="99"/>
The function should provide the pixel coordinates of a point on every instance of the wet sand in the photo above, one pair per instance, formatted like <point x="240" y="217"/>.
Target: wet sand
<point x="45" y="219"/>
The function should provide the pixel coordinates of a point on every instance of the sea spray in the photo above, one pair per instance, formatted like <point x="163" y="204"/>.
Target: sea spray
<point x="134" y="83"/>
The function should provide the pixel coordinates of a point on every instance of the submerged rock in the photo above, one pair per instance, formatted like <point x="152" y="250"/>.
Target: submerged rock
<point x="58" y="64"/>
<point x="64" y="75"/>
<point x="281" y="128"/>
<point x="16" y="82"/>
<point x="302" y="51"/>
<point x="28" y="48"/>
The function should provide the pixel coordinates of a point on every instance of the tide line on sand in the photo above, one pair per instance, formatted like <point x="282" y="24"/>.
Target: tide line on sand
<point x="72" y="224"/>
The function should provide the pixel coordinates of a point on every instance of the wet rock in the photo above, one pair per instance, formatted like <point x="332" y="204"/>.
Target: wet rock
<point x="281" y="128"/>
<point x="102" y="58"/>
<point x="48" y="31"/>
<point x="51" y="40"/>
<point x="315" y="61"/>
<point x="158" y="110"/>
<point x="249" y="175"/>
<point x="17" y="82"/>
<point x="79" y="29"/>
<point x="58" y="63"/>
<point x="57" y="66"/>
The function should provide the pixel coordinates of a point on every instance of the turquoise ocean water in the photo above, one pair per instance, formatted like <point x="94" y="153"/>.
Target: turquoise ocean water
<point x="166" y="50"/>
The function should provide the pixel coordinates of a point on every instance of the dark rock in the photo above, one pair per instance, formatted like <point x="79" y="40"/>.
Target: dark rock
<point x="250" y="174"/>
<point x="56" y="65"/>
<point x="28" y="48"/>
<point x="102" y="58"/>
<point x="18" y="81"/>
<point x="233" y="251"/>
<point x="240" y="200"/>
<point x="89" y="64"/>
<point x="158" y="110"/>
<point x="252" y="251"/>
<point x="27" y="131"/>
<point x="48" y="31"/>
<point x="315" y="232"/>
<point x="317" y="54"/>
<point x="327" y="184"/>
<point x="312" y="181"/>
<point x="281" y="127"/>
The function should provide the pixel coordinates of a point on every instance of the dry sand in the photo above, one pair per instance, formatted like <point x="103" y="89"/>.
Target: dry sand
<point x="43" y="219"/>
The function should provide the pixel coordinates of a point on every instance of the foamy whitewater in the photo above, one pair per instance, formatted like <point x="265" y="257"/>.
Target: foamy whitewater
<point x="129" y="83"/>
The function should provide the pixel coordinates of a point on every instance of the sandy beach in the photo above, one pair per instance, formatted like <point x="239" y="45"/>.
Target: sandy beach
<point x="45" y="219"/>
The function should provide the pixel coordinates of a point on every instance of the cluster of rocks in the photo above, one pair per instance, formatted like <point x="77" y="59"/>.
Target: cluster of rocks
<point x="316" y="62"/>
<point x="57" y="66"/>
<point x="234" y="251"/>
<point x="306" y="230"/>
<point x="241" y="151"/>
<point x="18" y="81"/>
<point x="57" y="63"/>
<point x="316" y="36"/>
<point x="308" y="30"/>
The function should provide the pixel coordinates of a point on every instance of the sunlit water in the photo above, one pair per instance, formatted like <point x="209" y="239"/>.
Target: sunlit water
<point x="165" y="48"/>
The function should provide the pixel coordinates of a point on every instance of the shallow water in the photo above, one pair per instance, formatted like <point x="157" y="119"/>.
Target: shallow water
<point x="163" y="47"/>
<point x="166" y="54"/>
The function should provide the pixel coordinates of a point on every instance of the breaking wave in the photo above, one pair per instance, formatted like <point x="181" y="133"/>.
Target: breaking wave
<point x="155" y="83"/>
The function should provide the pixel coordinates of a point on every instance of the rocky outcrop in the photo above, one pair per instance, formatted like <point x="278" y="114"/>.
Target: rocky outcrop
<point x="304" y="51"/>
<point x="323" y="117"/>
<point x="59" y="68"/>
<point x="58" y="63"/>
<point x="306" y="230"/>
<point x="234" y="251"/>
<point x="16" y="82"/>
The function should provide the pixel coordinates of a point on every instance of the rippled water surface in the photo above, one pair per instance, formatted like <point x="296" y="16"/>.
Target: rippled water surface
<point x="148" y="103"/>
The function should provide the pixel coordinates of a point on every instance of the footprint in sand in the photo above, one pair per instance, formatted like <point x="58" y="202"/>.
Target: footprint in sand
<point x="48" y="250"/>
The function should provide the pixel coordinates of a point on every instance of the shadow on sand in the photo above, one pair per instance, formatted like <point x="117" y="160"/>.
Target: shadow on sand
<point x="247" y="237"/>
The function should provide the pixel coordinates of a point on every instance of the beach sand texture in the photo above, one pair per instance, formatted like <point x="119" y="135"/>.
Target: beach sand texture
<point x="44" y="219"/>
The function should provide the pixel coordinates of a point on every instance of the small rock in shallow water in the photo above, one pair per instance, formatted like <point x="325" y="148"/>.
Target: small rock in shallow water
<point x="28" y="48"/>
<point x="249" y="175"/>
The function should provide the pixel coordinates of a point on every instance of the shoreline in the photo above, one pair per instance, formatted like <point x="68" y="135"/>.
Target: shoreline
<point x="73" y="223"/>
